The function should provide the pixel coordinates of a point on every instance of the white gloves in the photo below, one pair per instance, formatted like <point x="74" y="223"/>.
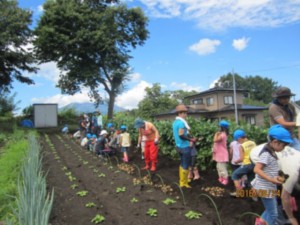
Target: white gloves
<point x="298" y="120"/>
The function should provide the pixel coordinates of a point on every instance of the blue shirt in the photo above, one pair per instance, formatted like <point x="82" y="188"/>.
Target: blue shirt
<point x="177" y="125"/>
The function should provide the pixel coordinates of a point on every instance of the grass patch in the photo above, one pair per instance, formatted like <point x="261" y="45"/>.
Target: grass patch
<point x="11" y="158"/>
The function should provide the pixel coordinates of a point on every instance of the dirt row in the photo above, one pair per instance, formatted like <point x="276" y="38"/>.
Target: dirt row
<point x="123" y="198"/>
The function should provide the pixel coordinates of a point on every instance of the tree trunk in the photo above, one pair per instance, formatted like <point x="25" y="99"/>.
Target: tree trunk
<point x="111" y="103"/>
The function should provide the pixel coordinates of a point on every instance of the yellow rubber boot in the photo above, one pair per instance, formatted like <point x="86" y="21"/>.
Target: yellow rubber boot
<point x="183" y="178"/>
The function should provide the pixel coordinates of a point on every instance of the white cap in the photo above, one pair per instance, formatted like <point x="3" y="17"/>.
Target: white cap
<point x="103" y="132"/>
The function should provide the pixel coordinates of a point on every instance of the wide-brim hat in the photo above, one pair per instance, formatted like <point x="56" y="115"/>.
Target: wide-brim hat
<point x="181" y="108"/>
<point x="283" y="92"/>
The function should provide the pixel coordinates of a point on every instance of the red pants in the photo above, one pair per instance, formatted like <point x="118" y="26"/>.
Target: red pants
<point x="151" y="152"/>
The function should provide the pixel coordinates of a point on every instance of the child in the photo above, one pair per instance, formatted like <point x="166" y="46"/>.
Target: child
<point x="234" y="152"/>
<point x="220" y="152"/>
<point x="193" y="170"/>
<point x="65" y="129"/>
<point x="151" y="134"/>
<point x="113" y="136"/>
<point x="85" y="140"/>
<point x="266" y="170"/>
<point x="125" y="142"/>
<point x="247" y="166"/>
<point x="101" y="147"/>
<point x="91" y="143"/>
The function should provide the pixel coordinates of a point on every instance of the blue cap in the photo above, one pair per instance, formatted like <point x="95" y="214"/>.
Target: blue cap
<point x="88" y="135"/>
<point x="239" y="133"/>
<point x="224" y="123"/>
<point x="138" y="123"/>
<point x="279" y="133"/>
<point x="94" y="136"/>
<point x="123" y="127"/>
<point x="109" y="125"/>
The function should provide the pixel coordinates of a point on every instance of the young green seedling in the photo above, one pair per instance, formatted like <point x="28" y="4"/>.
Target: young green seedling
<point x="74" y="186"/>
<point x="152" y="212"/>
<point x="101" y="175"/>
<point x="193" y="215"/>
<point x="90" y="204"/>
<point x="71" y="178"/>
<point x="82" y="193"/>
<point x="121" y="189"/>
<point x="134" y="200"/>
<point x="98" y="219"/>
<point x="169" y="201"/>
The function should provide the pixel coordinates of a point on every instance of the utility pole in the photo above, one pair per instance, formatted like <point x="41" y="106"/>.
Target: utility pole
<point x="234" y="98"/>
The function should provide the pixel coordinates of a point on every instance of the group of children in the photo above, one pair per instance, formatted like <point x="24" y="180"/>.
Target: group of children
<point x="262" y="173"/>
<point x="258" y="175"/>
<point x="106" y="142"/>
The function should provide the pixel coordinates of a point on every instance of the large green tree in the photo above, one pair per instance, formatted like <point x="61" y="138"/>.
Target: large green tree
<point x="156" y="102"/>
<point x="180" y="95"/>
<point x="91" y="42"/>
<point x="258" y="88"/>
<point x="15" y="36"/>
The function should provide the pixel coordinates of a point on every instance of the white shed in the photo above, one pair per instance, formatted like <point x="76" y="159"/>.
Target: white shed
<point x="45" y="115"/>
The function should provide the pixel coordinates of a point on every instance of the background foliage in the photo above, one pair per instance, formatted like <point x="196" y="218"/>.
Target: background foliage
<point x="204" y="130"/>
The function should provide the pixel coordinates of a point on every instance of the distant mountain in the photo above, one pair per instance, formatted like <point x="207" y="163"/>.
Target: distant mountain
<point x="88" y="107"/>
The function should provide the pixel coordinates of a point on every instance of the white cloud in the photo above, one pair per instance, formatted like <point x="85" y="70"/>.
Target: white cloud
<point x="135" y="77"/>
<point x="205" y="46"/>
<point x="220" y="15"/>
<point x="40" y="9"/>
<point x="47" y="70"/>
<point x="132" y="97"/>
<point x="240" y="44"/>
<point x="162" y="8"/>
<point x="63" y="100"/>
<point x="127" y="100"/>
<point x="184" y="87"/>
<point x="212" y="85"/>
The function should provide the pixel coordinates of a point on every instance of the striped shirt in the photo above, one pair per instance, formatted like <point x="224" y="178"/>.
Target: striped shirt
<point x="270" y="169"/>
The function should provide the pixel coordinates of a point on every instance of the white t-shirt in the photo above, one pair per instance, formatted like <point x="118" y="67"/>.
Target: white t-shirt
<point x="235" y="146"/>
<point x="254" y="154"/>
<point x="289" y="163"/>
<point x="84" y="141"/>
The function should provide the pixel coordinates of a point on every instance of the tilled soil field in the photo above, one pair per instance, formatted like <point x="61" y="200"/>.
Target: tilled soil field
<point x="86" y="186"/>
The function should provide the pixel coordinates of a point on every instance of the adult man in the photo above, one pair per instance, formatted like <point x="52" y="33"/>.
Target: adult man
<point x="183" y="143"/>
<point x="150" y="135"/>
<point x="281" y="111"/>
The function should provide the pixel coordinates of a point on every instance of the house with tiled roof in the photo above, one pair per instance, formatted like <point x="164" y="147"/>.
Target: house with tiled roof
<point x="218" y="103"/>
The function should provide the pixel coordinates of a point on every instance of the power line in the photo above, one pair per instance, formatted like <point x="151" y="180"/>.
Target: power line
<point x="270" y="69"/>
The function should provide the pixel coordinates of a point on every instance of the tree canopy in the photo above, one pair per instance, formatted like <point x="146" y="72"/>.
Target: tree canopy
<point x="258" y="88"/>
<point x="15" y="37"/>
<point x="91" y="42"/>
<point x="155" y="102"/>
<point x="7" y="103"/>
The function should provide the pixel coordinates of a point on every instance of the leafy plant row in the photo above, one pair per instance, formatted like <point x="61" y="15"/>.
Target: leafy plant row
<point x="204" y="130"/>
<point x="34" y="204"/>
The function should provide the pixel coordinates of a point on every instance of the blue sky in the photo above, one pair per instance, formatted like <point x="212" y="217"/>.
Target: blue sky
<point x="192" y="43"/>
